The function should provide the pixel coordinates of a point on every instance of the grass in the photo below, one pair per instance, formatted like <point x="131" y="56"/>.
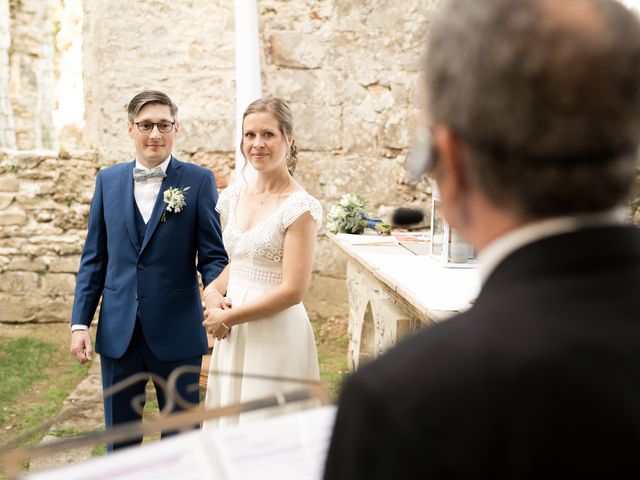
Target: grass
<point x="37" y="376"/>
<point x="21" y="366"/>
<point x="331" y="341"/>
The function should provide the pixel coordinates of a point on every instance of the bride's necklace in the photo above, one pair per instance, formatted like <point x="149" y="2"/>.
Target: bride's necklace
<point x="263" y="195"/>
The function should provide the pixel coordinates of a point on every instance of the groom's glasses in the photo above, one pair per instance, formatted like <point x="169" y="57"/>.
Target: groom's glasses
<point x="164" y="126"/>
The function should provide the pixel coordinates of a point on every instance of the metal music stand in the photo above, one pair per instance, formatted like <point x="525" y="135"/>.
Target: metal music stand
<point x="181" y="421"/>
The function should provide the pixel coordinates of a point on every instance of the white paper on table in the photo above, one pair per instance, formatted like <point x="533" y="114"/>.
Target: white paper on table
<point x="353" y="239"/>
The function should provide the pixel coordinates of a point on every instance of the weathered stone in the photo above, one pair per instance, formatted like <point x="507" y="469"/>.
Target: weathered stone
<point x="9" y="182"/>
<point x="13" y="216"/>
<point x="18" y="282"/>
<point x="297" y="50"/>
<point x="57" y="310"/>
<point x="327" y="296"/>
<point x="67" y="264"/>
<point x="54" y="284"/>
<point x="329" y="261"/>
<point x="397" y="131"/>
<point x="17" y="308"/>
<point x="309" y="118"/>
<point x="28" y="264"/>
<point x="6" y="199"/>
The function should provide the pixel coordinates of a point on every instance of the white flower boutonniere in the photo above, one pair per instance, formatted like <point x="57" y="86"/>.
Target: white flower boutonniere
<point x="174" y="198"/>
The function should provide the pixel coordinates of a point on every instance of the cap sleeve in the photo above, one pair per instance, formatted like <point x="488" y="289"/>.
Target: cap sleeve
<point x="225" y="200"/>
<point x="303" y="202"/>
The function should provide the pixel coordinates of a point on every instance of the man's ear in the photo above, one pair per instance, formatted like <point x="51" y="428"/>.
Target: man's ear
<point x="450" y="171"/>
<point x="130" y="129"/>
<point x="177" y="126"/>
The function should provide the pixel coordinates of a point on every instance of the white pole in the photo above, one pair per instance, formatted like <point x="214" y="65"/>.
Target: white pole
<point x="248" y="81"/>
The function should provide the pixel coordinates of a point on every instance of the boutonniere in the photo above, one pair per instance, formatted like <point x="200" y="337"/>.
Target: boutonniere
<point x="174" y="198"/>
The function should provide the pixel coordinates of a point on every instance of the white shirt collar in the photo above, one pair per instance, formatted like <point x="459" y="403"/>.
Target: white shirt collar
<point x="494" y="253"/>
<point x="164" y="165"/>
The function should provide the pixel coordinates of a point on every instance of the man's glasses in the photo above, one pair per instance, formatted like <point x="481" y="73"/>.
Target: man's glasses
<point x="164" y="126"/>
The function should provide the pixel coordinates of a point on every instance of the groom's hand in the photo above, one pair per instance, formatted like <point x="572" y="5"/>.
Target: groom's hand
<point x="214" y="299"/>
<point x="81" y="346"/>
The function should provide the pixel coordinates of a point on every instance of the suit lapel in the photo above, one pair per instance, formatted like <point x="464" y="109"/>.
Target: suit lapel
<point x="130" y="206"/>
<point x="171" y="180"/>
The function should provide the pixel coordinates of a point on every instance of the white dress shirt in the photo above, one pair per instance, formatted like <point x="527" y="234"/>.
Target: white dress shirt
<point x="145" y="194"/>
<point x="502" y="247"/>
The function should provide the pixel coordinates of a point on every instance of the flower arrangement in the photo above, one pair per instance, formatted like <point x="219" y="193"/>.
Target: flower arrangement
<point x="350" y="215"/>
<point x="174" y="198"/>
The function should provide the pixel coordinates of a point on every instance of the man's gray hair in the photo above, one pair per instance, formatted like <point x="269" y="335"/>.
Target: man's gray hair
<point x="149" y="97"/>
<point x="546" y="96"/>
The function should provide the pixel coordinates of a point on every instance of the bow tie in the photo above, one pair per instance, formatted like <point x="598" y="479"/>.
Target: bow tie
<point x="142" y="174"/>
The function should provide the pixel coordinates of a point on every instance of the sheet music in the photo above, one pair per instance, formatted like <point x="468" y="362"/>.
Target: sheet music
<point x="291" y="446"/>
<point x="185" y="457"/>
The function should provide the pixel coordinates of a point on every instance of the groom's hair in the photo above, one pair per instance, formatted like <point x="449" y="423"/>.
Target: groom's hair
<point x="147" y="97"/>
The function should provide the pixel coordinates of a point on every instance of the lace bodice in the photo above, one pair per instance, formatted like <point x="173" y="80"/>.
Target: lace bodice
<point x="256" y="254"/>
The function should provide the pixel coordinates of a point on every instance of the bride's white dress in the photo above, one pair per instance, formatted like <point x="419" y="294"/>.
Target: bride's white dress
<point x="282" y="344"/>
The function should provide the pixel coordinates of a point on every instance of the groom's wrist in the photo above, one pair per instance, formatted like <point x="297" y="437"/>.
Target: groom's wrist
<point x="78" y="326"/>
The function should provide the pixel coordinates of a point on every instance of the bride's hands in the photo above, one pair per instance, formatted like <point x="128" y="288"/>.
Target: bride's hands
<point x="214" y="299"/>
<point x="215" y="324"/>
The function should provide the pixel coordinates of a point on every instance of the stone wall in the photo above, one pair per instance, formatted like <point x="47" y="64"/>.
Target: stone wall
<point x="32" y="72"/>
<point x="7" y="132"/>
<point x="44" y="206"/>
<point x="349" y="69"/>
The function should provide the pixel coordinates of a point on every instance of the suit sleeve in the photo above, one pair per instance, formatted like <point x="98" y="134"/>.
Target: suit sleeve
<point x="365" y="442"/>
<point x="93" y="263"/>
<point x="212" y="257"/>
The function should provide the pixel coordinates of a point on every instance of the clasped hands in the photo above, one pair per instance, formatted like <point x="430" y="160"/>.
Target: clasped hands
<point x="214" y="315"/>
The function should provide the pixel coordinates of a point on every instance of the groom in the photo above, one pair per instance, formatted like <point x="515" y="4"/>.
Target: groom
<point x="152" y="224"/>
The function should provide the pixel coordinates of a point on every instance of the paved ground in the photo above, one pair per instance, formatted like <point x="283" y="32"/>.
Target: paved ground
<point x="88" y="395"/>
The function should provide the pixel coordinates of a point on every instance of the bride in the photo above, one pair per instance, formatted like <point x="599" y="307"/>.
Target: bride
<point x="270" y="235"/>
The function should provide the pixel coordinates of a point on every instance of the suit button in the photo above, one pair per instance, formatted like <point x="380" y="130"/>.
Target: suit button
<point x="135" y="296"/>
<point x="141" y="266"/>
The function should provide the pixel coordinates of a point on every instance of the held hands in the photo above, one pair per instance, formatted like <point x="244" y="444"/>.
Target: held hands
<point x="215" y="305"/>
<point x="215" y="324"/>
<point x="81" y="347"/>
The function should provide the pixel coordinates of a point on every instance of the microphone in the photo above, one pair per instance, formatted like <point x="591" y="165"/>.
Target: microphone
<point x="407" y="216"/>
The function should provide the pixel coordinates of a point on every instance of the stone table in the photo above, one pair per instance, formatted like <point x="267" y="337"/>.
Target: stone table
<point x="394" y="292"/>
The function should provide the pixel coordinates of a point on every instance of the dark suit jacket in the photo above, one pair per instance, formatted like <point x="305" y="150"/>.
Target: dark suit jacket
<point x="156" y="277"/>
<point x="540" y="377"/>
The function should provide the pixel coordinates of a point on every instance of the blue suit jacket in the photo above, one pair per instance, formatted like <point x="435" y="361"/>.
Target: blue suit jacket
<point x="156" y="278"/>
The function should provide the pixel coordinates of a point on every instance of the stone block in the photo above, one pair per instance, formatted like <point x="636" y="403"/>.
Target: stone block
<point x="9" y="183"/>
<point x="54" y="284"/>
<point x="13" y="216"/>
<point x="67" y="264"/>
<point x="327" y="297"/>
<point x="18" y="282"/>
<point x="318" y="127"/>
<point x="27" y="264"/>
<point x="297" y="50"/>
<point x="329" y="260"/>
<point x="58" y="310"/>
<point x="6" y="199"/>
<point x="18" y="308"/>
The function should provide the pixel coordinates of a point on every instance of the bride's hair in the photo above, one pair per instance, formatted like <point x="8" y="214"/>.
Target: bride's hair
<point x="279" y="108"/>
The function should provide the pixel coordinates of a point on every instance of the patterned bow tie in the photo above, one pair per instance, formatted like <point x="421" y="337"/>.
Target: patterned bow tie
<point x="142" y="174"/>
